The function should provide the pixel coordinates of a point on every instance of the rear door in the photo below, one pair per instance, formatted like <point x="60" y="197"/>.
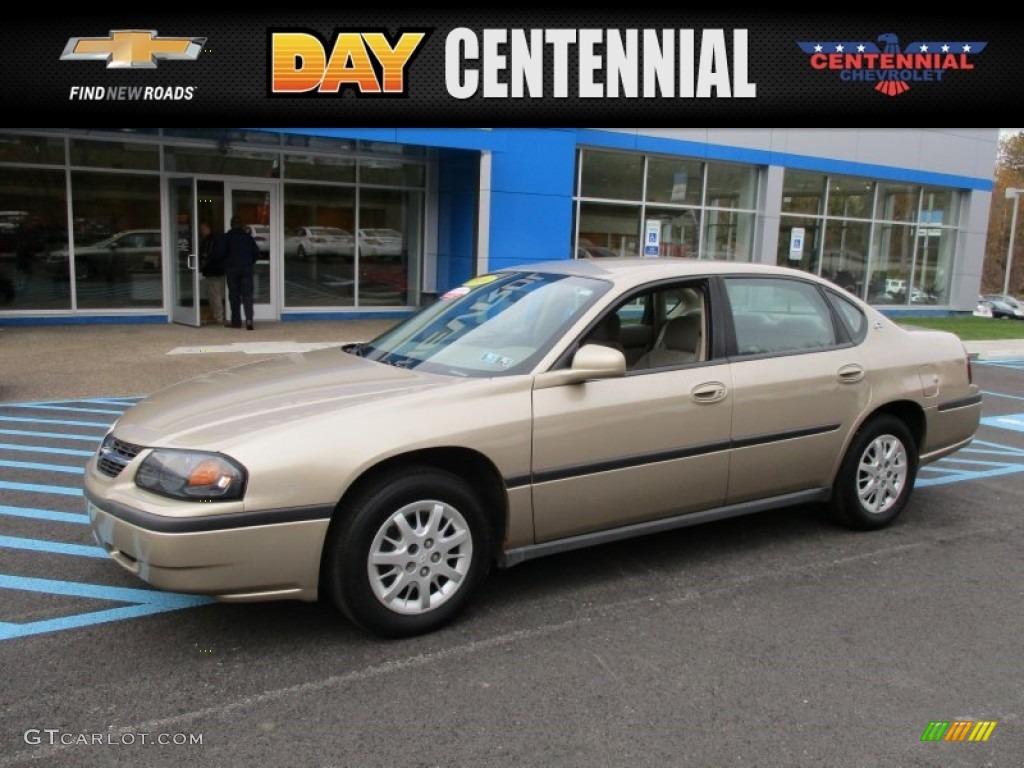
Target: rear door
<point x="799" y="385"/>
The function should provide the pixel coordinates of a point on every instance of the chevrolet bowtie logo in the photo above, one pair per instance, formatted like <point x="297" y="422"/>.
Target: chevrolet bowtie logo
<point x="132" y="48"/>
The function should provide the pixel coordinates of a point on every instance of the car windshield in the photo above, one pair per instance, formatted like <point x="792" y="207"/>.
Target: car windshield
<point x="498" y="328"/>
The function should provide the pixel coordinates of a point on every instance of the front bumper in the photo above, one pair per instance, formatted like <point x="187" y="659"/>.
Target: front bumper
<point x="245" y="557"/>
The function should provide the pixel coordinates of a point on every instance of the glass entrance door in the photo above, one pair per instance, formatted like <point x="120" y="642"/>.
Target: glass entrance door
<point x="254" y="203"/>
<point x="182" y="242"/>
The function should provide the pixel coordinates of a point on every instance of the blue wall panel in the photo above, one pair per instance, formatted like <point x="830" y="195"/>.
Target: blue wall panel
<point x="532" y="177"/>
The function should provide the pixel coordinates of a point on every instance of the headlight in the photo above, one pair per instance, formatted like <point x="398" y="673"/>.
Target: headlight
<point x="192" y="475"/>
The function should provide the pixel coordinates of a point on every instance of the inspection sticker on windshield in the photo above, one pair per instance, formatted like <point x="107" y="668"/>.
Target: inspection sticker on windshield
<point x="493" y="358"/>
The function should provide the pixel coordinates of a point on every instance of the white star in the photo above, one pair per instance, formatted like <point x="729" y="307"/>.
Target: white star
<point x="839" y="47"/>
<point x="945" y="48"/>
<point x="817" y="48"/>
<point x="924" y="47"/>
<point x="860" y="48"/>
<point x="967" y="47"/>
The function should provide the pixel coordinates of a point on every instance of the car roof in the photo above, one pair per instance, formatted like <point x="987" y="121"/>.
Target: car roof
<point x="638" y="270"/>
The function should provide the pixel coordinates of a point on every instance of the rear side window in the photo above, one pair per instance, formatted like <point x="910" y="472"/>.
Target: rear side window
<point x="778" y="316"/>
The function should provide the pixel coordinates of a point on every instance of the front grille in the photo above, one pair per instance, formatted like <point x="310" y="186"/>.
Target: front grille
<point x="115" y="455"/>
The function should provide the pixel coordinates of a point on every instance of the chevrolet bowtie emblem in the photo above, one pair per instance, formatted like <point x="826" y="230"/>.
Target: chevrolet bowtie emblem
<point x="132" y="48"/>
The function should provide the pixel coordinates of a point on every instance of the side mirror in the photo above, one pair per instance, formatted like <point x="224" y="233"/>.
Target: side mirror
<point x="591" y="361"/>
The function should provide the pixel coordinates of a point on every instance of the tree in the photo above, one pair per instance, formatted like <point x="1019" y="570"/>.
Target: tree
<point x="1009" y="172"/>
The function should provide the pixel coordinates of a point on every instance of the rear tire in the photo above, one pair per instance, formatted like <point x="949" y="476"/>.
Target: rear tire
<point x="405" y="555"/>
<point x="877" y="475"/>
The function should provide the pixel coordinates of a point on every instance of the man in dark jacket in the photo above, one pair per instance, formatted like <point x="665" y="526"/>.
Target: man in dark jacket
<point x="237" y="251"/>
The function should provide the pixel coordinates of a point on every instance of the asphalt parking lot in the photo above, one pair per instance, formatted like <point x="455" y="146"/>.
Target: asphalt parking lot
<point x="773" y="640"/>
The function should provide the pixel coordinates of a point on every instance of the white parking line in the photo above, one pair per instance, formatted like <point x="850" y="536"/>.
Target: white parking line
<point x="257" y="347"/>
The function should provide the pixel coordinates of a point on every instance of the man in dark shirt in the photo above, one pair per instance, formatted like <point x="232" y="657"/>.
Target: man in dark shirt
<point x="238" y="253"/>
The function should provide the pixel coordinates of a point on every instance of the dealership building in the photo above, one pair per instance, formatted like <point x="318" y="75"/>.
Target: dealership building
<point x="102" y="225"/>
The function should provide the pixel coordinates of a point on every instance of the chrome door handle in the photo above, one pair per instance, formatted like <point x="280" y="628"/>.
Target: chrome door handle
<point x="192" y="262"/>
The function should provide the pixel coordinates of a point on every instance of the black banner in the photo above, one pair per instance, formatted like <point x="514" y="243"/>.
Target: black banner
<point x="528" y="67"/>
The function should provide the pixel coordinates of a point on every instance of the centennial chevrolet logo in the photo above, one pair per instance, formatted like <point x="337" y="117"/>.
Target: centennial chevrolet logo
<point x="133" y="49"/>
<point x="891" y="68"/>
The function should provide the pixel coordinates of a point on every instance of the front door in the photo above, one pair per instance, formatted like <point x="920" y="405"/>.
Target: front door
<point x="183" y="246"/>
<point x="254" y="203"/>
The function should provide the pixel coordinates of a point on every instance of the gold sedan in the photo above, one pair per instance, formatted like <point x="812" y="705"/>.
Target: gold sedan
<point x="532" y="411"/>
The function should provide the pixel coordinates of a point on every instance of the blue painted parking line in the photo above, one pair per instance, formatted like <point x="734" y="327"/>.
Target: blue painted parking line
<point x="45" y="449"/>
<point x="75" y="409"/>
<point x="57" y="547"/>
<point x="1011" y="363"/>
<point x="143" y="603"/>
<point x="44" y="514"/>
<point x="979" y="460"/>
<point x="60" y="490"/>
<point x="51" y="435"/>
<point x="986" y="393"/>
<point x="36" y="427"/>
<point x="42" y="467"/>
<point x="63" y="422"/>
<point x="1014" y="421"/>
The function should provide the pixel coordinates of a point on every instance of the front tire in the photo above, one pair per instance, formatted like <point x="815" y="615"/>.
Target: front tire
<point x="405" y="554"/>
<point x="877" y="475"/>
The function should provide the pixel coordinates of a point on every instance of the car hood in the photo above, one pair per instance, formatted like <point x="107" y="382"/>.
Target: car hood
<point x="217" y="409"/>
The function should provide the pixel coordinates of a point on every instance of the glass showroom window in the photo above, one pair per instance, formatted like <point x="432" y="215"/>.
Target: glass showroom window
<point x="605" y="229"/>
<point x="825" y="226"/>
<point x="319" y="245"/>
<point x="34" y="272"/>
<point x="608" y="230"/>
<point x="388" y="241"/>
<point x="730" y="204"/>
<point x="611" y="175"/>
<point x="700" y="210"/>
<point x="912" y="263"/>
<point x="116" y="256"/>
<point x="936" y="246"/>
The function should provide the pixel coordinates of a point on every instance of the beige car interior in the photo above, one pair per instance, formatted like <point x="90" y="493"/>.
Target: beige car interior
<point x="679" y="340"/>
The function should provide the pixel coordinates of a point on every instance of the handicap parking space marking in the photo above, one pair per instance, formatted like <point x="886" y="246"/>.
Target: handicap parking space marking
<point x="1015" y="364"/>
<point x="39" y="438"/>
<point x="141" y="602"/>
<point x="979" y="460"/>
<point x="1014" y="421"/>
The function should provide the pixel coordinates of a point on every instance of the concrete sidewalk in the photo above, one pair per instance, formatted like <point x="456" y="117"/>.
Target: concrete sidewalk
<point x="67" y="361"/>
